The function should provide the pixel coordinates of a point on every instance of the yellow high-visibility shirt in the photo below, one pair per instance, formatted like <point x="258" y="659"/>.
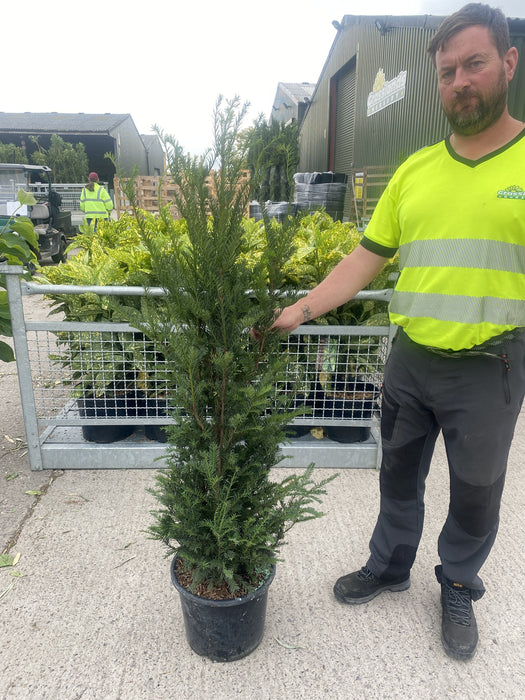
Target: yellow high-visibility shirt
<point x="459" y="226"/>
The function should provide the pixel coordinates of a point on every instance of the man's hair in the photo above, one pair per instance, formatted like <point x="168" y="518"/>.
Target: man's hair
<point x="470" y="15"/>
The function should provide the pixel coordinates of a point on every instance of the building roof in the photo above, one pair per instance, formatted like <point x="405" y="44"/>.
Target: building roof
<point x="149" y="139"/>
<point x="57" y="122"/>
<point x="387" y="22"/>
<point x="298" y="92"/>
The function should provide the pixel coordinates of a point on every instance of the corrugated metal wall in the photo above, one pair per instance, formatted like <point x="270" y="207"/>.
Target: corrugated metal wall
<point x="391" y="134"/>
<point x="314" y="132"/>
<point x="130" y="149"/>
<point x="388" y="136"/>
<point x="344" y="106"/>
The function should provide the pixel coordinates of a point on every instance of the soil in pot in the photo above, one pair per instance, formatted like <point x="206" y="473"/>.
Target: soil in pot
<point x="223" y="630"/>
<point x="359" y="397"/>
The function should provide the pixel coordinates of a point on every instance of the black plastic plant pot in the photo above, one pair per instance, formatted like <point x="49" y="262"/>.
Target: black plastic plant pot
<point x="152" y="407"/>
<point x="351" y="400"/>
<point x="223" y="630"/>
<point x="339" y="409"/>
<point x="308" y="403"/>
<point x="156" y="432"/>
<point x="347" y="433"/>
<point x="106" y="407"/>
<point x="106" y="433"/>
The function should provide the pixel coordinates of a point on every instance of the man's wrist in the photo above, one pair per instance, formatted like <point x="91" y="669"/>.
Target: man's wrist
<point x="307" y="313"/>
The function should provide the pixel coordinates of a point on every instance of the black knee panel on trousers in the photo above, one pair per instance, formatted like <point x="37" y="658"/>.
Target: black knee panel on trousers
<point x="475" y="508"/>
<point x="401" y="461"/>
<point x="399" y="475"/>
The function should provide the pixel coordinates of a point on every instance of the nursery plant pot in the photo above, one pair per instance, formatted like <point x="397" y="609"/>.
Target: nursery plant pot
<point x="350" y="400"/>
<point x="106" y="407"/>
<point x="150" y="407"/>
<point x="301" y="401"/>
<point x="156" y="432"/>
<point x="223" y="630"/>
<point x="297" y="431"/>
<point x="347" y="433"/>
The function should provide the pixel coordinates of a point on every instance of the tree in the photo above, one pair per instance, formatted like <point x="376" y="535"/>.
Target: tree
<point x="68" y="162"/>
<point x="10" y="153"/>
<point x="272" y="158"/>
<point x="221" y="513"/>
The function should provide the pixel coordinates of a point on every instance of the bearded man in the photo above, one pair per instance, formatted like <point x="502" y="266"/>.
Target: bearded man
<point x="455" y="211"/>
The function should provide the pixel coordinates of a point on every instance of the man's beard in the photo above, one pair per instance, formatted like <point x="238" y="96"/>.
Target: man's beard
<point x="481" y="115"/>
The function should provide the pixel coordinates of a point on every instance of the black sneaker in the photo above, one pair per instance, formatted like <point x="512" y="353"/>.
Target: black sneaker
<point x="459" y="631"/>
<point x="361" y="586"/>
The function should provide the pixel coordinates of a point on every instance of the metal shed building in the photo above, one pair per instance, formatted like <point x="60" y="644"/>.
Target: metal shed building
<point x="100" y="134"/>
<point x="291" y="101"/>
<point x="376" y="102"/>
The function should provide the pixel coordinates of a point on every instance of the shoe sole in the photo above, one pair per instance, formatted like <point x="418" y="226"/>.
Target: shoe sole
<point x="394" y="588"/>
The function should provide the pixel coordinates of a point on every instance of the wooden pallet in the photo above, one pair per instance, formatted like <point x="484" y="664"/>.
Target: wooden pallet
<point x="369" y="183"/>
<point x="153" y="192"/>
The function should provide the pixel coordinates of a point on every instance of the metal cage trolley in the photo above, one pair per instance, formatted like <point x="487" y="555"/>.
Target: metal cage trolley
<point x="96" y="395"/>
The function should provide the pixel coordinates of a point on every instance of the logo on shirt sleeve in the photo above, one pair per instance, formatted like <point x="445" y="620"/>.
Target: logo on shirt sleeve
<point x="512" y="192"/>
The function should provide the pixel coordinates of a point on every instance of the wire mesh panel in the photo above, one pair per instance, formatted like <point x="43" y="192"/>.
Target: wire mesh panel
<point x="337" y="375"/>
<point x="75" y="377"/>
<point x="334" y="378"/>
<point x="85" y="373"/>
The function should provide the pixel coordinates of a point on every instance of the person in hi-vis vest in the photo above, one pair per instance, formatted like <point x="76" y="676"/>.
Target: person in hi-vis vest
<point x="95" y="202"/>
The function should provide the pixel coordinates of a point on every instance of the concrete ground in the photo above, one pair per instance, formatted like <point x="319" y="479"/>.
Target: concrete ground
<point x="89" y="611"/>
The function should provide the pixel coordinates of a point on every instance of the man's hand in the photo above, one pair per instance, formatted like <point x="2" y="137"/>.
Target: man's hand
<point x="291" y="317"/>
<point x="286" y="320"/>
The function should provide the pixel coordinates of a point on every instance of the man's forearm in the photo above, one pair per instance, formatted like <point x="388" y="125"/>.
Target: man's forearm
<point x="342" y="284"/>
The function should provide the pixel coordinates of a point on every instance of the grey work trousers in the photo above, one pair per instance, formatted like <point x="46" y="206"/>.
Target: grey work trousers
<point x="475" y="400"/>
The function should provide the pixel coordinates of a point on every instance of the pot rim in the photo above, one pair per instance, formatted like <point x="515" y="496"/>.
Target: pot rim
<point x="220" y="603"/>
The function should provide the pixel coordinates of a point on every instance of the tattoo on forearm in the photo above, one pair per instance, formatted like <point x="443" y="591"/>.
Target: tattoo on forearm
<point x="307" y="313"/>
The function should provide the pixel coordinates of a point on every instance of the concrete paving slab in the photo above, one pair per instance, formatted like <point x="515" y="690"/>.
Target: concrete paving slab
<point x="94" y="614"/>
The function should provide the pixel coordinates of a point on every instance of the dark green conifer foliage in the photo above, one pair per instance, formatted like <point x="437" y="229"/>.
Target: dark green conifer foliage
<point x="220" y="511"/>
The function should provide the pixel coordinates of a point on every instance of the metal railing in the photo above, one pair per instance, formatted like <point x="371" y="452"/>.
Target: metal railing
<point x="76" y="378"/>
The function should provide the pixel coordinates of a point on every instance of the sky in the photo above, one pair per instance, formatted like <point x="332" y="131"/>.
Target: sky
<point x="166" y="62"/>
